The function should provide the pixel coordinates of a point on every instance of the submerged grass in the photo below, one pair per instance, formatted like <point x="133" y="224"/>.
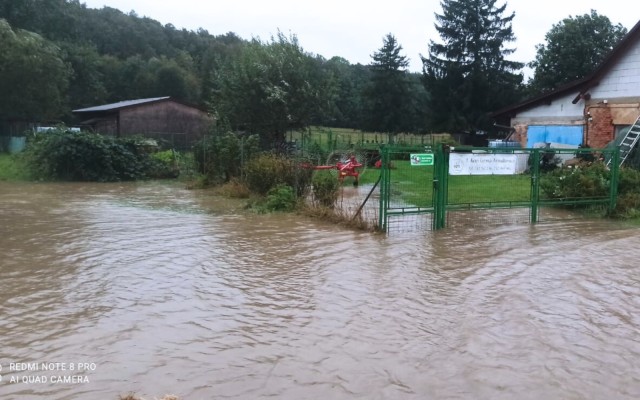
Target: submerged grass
<point x="337" y="216"/>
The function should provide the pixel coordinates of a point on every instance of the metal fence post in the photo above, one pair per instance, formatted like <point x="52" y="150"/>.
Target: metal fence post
<point x="440" y="179"/>
<point x="384" y="185"/>
<point x="444" y="178"/>
<point x="435" y="225"/>
<point x="535" y="185"/>
<point x="615" y="174"/>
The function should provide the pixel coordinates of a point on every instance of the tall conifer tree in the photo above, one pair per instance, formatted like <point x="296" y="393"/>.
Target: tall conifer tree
<point x="388" y="93"/>
<point x="467" y="75"/>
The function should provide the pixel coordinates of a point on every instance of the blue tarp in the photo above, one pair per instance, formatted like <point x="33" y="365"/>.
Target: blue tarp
<point x="554" y="134"/>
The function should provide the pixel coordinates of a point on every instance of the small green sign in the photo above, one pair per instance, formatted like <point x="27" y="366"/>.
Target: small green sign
<point x="419" y="160"/>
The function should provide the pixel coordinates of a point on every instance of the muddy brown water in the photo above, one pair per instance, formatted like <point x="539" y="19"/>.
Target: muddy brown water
<point x="152" y="289"/>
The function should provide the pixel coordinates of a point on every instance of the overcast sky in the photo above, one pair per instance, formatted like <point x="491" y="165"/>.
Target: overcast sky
<point x="354" y="29"/>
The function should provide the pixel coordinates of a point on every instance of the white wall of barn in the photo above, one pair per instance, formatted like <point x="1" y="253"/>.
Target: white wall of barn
<point x="561" y="108"/>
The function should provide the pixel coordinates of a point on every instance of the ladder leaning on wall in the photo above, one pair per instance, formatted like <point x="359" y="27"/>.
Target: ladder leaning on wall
<point x="629" y="141"/>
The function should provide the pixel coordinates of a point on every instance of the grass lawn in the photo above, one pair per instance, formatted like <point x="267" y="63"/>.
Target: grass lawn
<point x="12" y="168"/>
<point x="414" y="186"/>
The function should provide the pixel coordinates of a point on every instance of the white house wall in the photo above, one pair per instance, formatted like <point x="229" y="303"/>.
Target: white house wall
<point x="560" y="113"/>
<point x="623" y="79"/>
<point x="560" y="108"/>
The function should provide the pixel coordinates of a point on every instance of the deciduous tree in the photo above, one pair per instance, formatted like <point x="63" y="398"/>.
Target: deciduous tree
<point x="574" y="48"/>
<point x="33" y="76"/>
<point x="270" y="89"/>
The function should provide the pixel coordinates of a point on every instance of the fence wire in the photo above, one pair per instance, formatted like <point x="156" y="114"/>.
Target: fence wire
<point x="494" y="186"/>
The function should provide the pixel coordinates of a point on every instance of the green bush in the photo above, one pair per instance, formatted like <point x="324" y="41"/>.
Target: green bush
<point x="265" y="172"/>
<point x="593" y="180"/>
<point x="13" y="168"/>
<point x="628" y="204"/>
<point x="299" y="177"/>
<point x="629" y="181"/>
<point x="164" y="164"/>
<point x="325" y="188"/>
<point x="582" y="181"/>
<point x="279" y="198"/>
<point x="221" y="156"/>
<point x="268" y="170"/>
<point x="316" y="153"/>
<point x="85" y="156"/>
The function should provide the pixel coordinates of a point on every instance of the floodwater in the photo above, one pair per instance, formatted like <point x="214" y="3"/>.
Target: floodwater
<point x="152" y="289"/>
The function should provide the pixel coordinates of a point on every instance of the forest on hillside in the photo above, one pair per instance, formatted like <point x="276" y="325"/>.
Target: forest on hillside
<point x="60" y="55"/>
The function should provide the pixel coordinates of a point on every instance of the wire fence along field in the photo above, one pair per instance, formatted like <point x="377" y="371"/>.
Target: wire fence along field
<point x="339" y="138"/>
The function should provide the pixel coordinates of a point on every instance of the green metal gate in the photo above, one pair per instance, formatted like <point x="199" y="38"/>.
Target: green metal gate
<point x="406" y="190"/>
<point x="471" y="181"/>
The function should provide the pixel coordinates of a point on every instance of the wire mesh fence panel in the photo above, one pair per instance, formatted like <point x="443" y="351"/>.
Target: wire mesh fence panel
<point x="569" y="213"/>
<point x="488" y="217"/>
<point x="495" y="186"/>
<point x="409" y="223"/>
<point x="488" y="187"/>
<point x="359" y="204"/>
<point x="333" y="138"/>
<point x="489" y="191"/>
<point x="409" y="189"/>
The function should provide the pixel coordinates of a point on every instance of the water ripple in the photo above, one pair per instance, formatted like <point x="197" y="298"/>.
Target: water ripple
<point x="170" y="291"/>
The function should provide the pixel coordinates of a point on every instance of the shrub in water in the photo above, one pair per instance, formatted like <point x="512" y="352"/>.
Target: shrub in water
<point x="265" y="172"/>
<point x="299" y="177"/>
<point x="84" y="157"/>
<point x="280" y="198"/>
<point x="325" y="188"/>
<point x="235" y="188"/>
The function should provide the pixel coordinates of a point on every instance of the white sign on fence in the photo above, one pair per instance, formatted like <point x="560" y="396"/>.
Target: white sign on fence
<point x="485" y="164"/>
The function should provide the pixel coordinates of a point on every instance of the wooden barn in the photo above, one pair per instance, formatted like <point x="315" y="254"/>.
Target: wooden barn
<point x="592" y="111"/>
<point x="161" y="118"/>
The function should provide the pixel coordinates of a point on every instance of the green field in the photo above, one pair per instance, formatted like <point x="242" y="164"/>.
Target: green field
<point x="414" y="186"/>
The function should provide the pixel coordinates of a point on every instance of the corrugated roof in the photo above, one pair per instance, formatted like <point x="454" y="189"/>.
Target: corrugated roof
<point x="120" y="104"/>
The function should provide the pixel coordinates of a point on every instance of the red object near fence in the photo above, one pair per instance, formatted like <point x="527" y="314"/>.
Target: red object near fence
<point x="347" y="168"/>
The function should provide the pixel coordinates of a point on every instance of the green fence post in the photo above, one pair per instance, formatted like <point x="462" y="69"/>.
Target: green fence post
<point x="384" y="192"/>
<point x="615" y="174"/>
<point x="535" y="185"/>
<point x="440" y="178"/>
<point x="444" y="179"/>
<point x="437" y="153"/>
